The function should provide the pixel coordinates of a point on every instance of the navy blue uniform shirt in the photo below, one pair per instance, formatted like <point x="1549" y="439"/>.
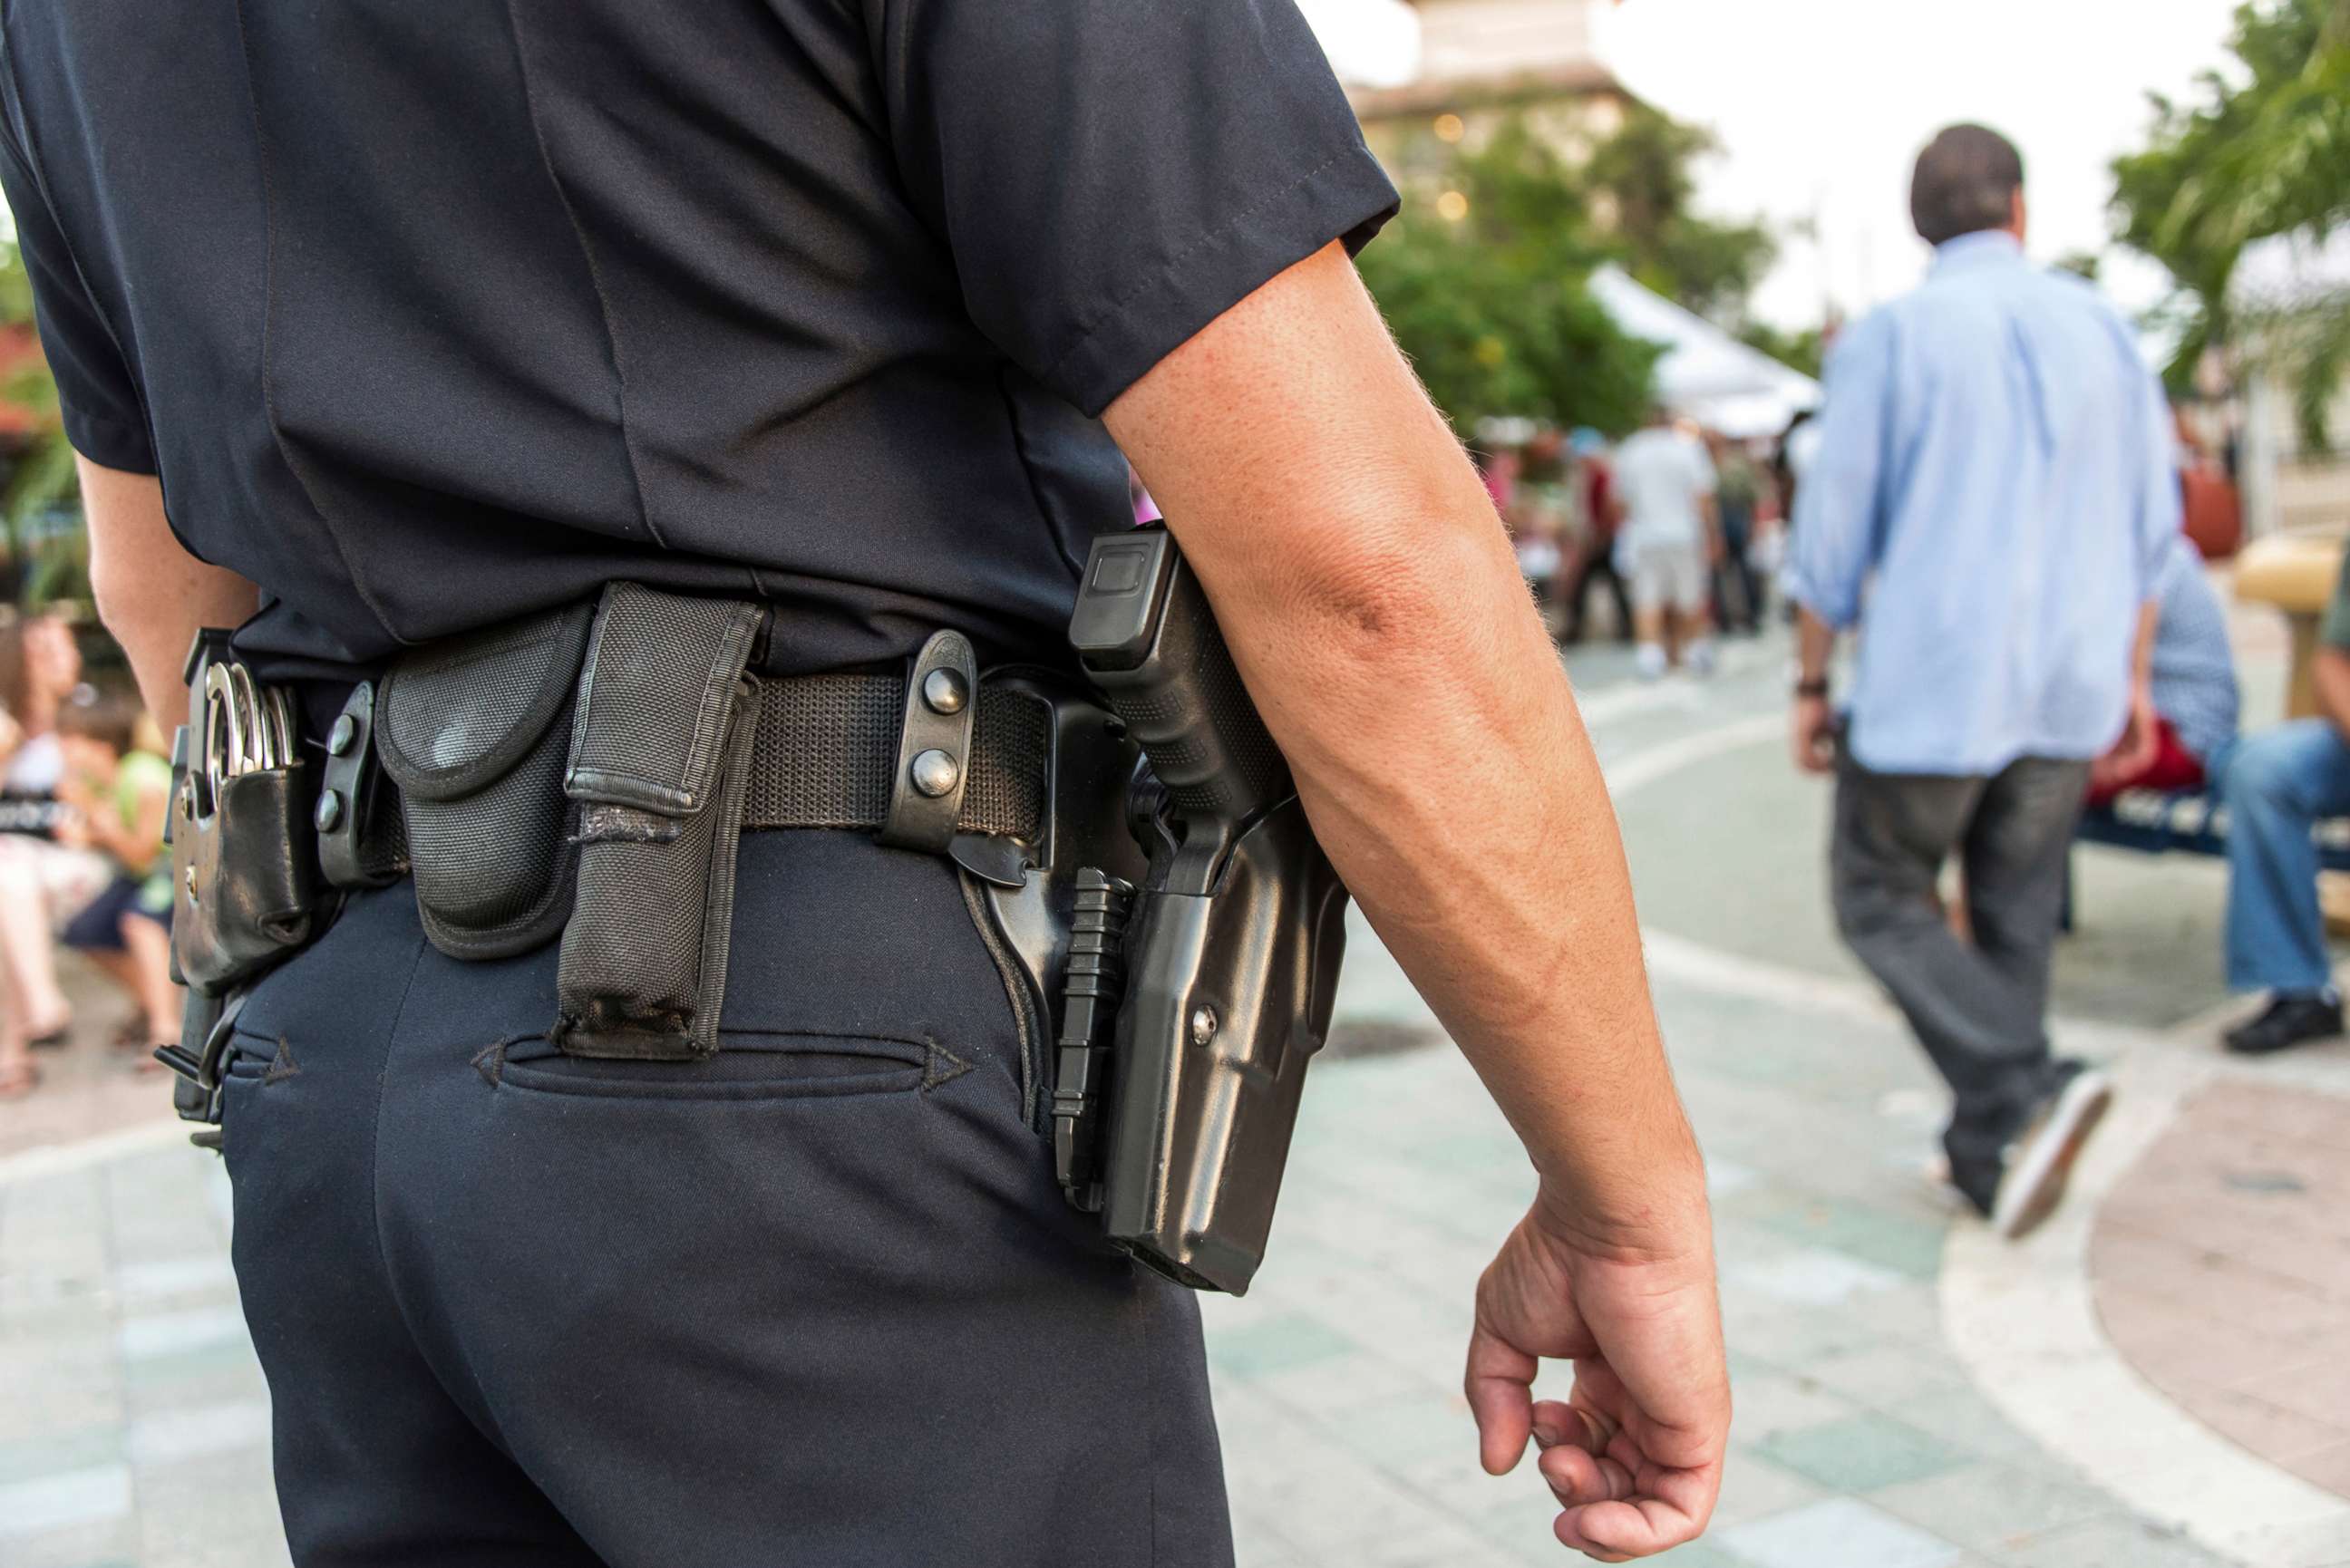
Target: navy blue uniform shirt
<point x="432" y="312"/>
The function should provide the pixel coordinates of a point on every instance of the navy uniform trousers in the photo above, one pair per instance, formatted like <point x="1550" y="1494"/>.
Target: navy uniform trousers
<point x="814" y="1302"/>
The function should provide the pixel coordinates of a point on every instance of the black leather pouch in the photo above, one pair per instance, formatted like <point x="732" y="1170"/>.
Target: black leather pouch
<point x="244" y="857"/>
<point x="472" y="731"/>
<point x="658" y="764"/>
<point x="242" y="878"/>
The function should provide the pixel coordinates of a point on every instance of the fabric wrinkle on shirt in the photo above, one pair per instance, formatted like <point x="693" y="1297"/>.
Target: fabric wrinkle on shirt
<point x="1989" y="505"/>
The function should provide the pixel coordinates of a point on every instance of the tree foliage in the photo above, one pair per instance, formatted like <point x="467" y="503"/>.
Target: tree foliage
<point x="1645" y="175"/>
<point x="2262" y="150"/>
<point x="1490" y="302"/>
<point x="1483" y="276"/>
<point x="38" y="481"/>
<point x="1806" y="350"/>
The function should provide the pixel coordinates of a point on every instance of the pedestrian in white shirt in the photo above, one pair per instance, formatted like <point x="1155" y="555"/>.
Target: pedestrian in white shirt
<point x="1665" y="497"/>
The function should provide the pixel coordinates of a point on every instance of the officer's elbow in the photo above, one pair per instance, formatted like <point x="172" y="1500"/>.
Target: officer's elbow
<point x="1387" y="607"/>
<point x="116" y="591"/>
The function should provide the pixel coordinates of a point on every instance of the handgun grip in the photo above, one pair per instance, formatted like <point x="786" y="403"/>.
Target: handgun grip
<point x="1147" y="638"/>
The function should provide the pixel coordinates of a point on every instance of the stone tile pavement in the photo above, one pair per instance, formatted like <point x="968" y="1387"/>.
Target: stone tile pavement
<point x="133" y="1423"/>
<point x="134" y="1429"/>
<point x="1861" y="1441"/>
<point x="2222" y="1272"/>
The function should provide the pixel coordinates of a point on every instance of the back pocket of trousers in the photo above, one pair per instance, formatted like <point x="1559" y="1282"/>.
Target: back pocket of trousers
<point x="746" y="1067"/>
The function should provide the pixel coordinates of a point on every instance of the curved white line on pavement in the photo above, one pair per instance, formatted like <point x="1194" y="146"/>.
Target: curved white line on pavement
<point x="1684" y="692"/>
<point x="1701" y="968"/>
<point x="2022" y="1318"/>
<point x="1629" y="775"/>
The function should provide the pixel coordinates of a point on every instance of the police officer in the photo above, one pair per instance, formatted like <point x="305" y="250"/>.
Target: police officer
<point x="380" y="321"/>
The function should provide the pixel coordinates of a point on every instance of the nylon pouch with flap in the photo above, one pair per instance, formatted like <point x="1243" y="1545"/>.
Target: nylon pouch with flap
<point x="471" y="731"/>
<point x="658" y="766"/>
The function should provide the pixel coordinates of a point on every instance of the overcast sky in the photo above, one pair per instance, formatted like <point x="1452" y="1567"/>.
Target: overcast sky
<point x="1823" y="104"/>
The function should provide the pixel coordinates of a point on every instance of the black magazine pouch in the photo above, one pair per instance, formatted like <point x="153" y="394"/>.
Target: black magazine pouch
<point x="471" y="731"/>
<point x="659" y="761"/>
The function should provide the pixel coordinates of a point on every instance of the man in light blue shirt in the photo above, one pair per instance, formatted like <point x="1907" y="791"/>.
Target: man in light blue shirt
<point x="1989" y="505"/>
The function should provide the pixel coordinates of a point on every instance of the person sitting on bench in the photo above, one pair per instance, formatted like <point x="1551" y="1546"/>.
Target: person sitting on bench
<point x="2193" y="688"/>
<point x="2278" y="784"/>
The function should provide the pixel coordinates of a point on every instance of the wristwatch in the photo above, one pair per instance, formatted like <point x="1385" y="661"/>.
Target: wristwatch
<point x="1810" y="688"/>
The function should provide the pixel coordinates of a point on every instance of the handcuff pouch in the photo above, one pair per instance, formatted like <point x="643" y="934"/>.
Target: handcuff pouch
<point x="244" y="862"/>
<point x="471" y="730"/>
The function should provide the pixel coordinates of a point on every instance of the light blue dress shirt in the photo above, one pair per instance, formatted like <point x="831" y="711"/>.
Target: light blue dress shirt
<point x="2194" y="667"/>
<point x="1993" y="496"/>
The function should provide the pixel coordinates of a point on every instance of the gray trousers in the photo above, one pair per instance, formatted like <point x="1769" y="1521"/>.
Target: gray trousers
<point x="1978" y="1008"/>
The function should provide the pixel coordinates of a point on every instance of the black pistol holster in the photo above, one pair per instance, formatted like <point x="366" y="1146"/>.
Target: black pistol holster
<point x="1175" y="1120"/>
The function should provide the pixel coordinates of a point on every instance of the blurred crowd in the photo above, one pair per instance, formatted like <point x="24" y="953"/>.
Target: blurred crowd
<point x="1678" y="528"/>
<point x="84" y="789"/>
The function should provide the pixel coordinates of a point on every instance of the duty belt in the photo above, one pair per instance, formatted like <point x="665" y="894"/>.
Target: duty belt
<point x="823" y="754"/>
<point x="584" y="776"/>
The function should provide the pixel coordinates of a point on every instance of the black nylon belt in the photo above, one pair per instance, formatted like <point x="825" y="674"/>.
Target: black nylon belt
<point x="827" y="748"/>
<point x="823" y="755"/>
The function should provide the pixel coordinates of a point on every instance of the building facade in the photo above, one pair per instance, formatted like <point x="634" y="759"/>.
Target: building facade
<point x="1482" y="61"/>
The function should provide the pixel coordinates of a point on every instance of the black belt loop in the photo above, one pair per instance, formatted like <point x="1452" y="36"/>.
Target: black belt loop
<point x="935" y="746"/>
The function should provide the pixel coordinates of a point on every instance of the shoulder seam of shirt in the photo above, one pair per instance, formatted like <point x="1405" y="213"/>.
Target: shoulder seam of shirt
<point x="1165" y="273"/>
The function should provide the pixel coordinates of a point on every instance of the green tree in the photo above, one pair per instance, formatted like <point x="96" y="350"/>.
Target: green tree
<point x="1806" y="350"/>
<point x="2264" y="150"/>
<point x="1482" y="279"/>
<point x="1483" y="276"/>
<point x="39" y="479"/>
<point x="1644" y="179"/>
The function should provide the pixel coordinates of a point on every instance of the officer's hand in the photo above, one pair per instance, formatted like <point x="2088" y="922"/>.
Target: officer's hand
<point x="1634" y="1455"/>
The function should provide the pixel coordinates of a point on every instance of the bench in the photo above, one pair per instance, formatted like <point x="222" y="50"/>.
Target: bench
<point x="2190" y="823"/>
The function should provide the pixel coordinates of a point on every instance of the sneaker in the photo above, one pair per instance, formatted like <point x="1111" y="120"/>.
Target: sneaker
<point x="2042" y="1163"/>
<point x="1700" y="657"/>
<point x="1941" y="1185"/>
<point x="1649" y="661"/>
<point x="2289" y="1020"/>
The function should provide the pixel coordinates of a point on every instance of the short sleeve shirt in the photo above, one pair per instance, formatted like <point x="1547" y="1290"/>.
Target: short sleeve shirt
<point x="430" y="313"/>
<point x="1663" y="476"/>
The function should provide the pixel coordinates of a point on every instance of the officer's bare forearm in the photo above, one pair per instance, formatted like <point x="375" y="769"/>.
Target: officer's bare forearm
<point x="151" y="594"/>
<point x="1372" y="602"/>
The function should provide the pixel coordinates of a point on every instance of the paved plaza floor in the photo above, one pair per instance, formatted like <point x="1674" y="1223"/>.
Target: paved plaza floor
<point x="2153" y="1381"/>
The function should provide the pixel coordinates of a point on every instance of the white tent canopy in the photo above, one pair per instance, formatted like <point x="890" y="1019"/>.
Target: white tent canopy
<point x="2292" y="271"/>
<point x="1706" y="373"/>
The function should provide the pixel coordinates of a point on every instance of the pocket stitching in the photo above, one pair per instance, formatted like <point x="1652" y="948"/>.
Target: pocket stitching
<point x="923" y="1065"/>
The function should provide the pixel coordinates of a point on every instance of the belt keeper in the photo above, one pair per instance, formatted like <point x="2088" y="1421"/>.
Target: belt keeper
<point x="353" y="822"/>
<point x="935" y="746"/>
